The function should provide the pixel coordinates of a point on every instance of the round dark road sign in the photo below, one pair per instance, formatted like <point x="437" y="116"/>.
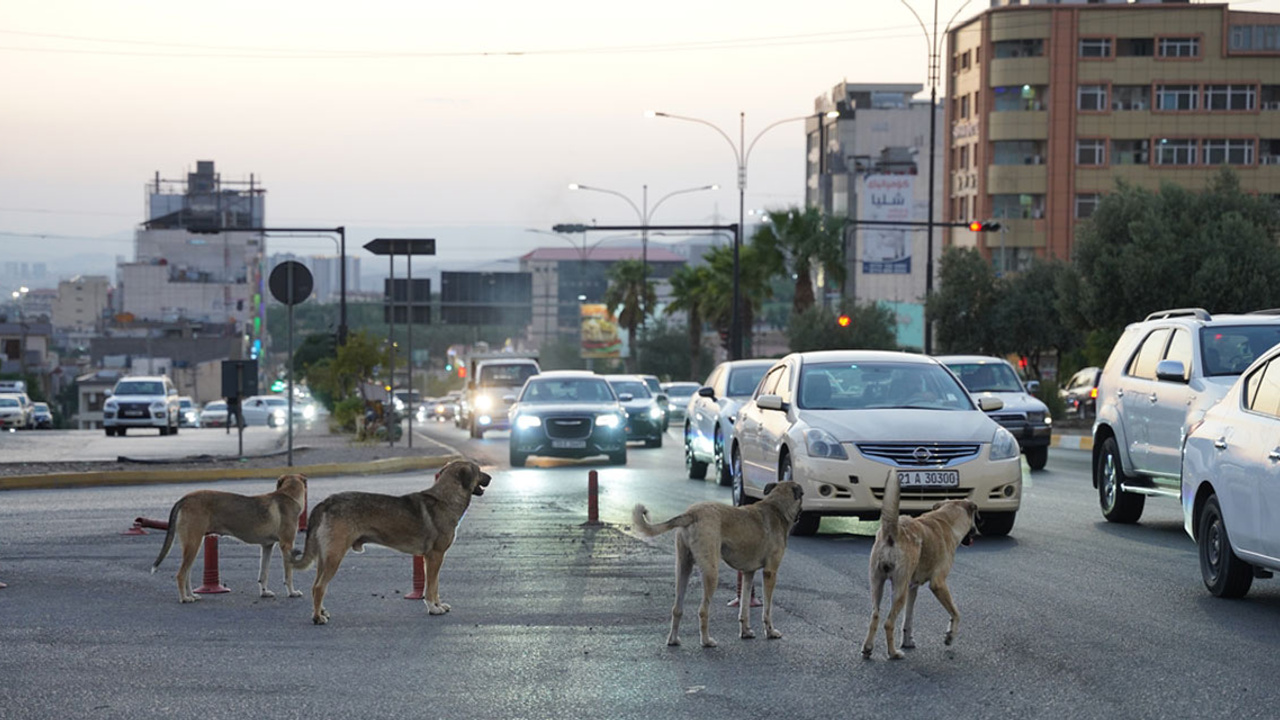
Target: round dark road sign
<point x="279" y="282"/>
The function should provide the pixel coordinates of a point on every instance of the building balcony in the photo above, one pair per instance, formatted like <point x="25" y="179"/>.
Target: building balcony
<point x="1018" y="125"/>
<point x="1017" y="233"/>
<point x="1013" y="179"/>
<point x="1019" y="71"/>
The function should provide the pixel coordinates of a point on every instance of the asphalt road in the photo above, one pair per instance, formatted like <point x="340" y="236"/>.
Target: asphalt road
<point x="1068" y="617"/>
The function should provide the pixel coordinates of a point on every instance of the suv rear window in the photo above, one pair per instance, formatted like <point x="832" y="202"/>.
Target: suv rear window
<point x="140" y="388"/>
<point x="1230" y="350"/>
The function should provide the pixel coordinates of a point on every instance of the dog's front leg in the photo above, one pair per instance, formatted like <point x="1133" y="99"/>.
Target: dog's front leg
<point x="434" y="560"/>
<point x="744" y="604"/>
<point x="263" y="568"/>
<point x="943" y="593"/>
<point x="877" y="592"/>
<point x="770" y="580"/>
<point x="907" y="640"/>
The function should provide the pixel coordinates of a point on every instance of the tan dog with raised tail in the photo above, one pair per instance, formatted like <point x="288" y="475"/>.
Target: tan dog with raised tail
<point x="421" y="523"/>
<point x="748" y="538"/>
<point x="910" y="552"/>
<point x="254" y="519"/>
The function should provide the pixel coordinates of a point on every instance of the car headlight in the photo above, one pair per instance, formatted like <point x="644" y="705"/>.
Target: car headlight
<point x="823" y="444"/>
<point x="527" y="422"/>
<point x="157" y="405"/>
<point x="1003" y="445"/>
<point x="279" y="414"/>
<point x="608" y="421"/>
<point x="1038" y="418"/>
<point x="110" y="406"/>
<point x="655" y="412"/>
<point x="309" y="412"/>
<point x="484" y="402"/>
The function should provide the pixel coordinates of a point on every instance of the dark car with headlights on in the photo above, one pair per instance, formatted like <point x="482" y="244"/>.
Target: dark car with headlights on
<point x="567" y="413"/>
<point x="646" y="419"/>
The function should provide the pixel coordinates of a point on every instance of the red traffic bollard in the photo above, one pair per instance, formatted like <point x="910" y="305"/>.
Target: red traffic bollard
<point x="212" y="583"/>
<point x="142" y="522"/>
<point x="419" y="578"/>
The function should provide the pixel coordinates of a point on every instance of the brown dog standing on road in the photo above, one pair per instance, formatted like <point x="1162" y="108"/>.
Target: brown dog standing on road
<point x="421" y="523"/>
<point x="748" y="538"/>
<point x="257" y="520"/>
<point x="910" y="552"/>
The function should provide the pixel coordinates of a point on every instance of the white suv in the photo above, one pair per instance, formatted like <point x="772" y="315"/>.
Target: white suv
<point x="1161" y="377"/>
<point x="143" y="401"/>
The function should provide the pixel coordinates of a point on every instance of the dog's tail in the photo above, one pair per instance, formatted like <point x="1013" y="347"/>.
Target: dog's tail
<point x="889" y="507"/>
<point x="168" y="535"/>
<point x="303" y="559"/>
<point x="640" y="518"/>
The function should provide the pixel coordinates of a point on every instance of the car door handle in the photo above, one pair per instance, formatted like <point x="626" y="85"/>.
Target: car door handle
<point x="1220" y="443"/>
<point x="1119" y="392"/>
<point x="1274" y="455"/>
<point x="1153" y="398"/>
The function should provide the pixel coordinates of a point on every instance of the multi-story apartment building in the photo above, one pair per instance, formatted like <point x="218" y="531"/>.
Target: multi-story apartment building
<point x="1050" y="103"/>
<point x="81" y="303"/>
<point x="198" y="256"/>
<point x="870" y="162"/>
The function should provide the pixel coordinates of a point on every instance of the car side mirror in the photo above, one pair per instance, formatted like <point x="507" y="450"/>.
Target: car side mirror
<point x="1033" y="386"/>
<point x="990" y="404"/>
<point x="770" y="402"/>
<point x="508" y="399"/>
<point x="707" y="392"/>
<point x="626" y="397"/>
<point x="1171" y="370"/>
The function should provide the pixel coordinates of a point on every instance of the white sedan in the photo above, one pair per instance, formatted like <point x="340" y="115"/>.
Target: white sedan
<point x="841" y="422"/>
<point x="1231" y="481"/>
<point x="269" y="410"/>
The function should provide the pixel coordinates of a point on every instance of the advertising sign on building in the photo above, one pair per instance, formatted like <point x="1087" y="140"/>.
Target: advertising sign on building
<point x="599" y="332"/>
<point x="886" y="250"/>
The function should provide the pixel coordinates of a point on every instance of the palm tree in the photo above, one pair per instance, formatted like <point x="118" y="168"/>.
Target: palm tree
<point x="629" y="290"/>
<point x="688" y="293"/>
<point x="797" y="242"/>
<point x="753" y="279"/>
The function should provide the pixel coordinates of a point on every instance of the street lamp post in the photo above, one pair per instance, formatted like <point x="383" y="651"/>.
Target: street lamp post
<point x="20" y="296"/>
<point x="741" y="155"/>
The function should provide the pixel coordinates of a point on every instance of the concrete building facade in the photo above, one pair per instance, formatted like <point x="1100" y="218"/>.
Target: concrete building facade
<point x="82" y="303"/>
<point x="1049" y="104"/>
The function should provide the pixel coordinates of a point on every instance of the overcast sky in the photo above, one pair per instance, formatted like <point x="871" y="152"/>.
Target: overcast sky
<point x="404" y="117"/>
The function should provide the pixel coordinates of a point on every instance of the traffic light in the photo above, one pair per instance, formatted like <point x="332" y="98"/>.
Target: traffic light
<point x="462" y="371"/>
<point x="844" y="321"/>
<point x="977" y="226"/>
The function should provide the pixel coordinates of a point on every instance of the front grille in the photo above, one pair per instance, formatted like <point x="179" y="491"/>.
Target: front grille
<point x="568" y="428"/>
<point x="1006" y="418"/>
<point x="920" y="454"/>
<point x="933" y="494"/>
<point x="134" y="410"/>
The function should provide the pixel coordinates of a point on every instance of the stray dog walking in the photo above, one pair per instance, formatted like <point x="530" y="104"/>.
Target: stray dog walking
<point x="910" y="552"/>
<point x="748" y="538"/>
<point x="263" y="520"/>
<point x="421" y="523"/>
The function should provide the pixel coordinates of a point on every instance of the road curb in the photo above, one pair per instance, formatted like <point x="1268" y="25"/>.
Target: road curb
<point x="385" y="466"/>
<point x="1072" y="442"/>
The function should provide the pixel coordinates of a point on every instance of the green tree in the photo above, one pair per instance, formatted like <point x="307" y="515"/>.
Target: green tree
<point x="753" y="287"/>
<point x="688" y="293"/>
<point x="664" y="349"/>
<point x="1143" y="251"/>
<point x="797" y="242"/>
<point x="962" y="307"/>
<point x="314" y="348"/>
<point x="338" y="378"/>
<point x="631" y="297"/>
<point x="872" y="327"/>
<point x="1025" y="320"/>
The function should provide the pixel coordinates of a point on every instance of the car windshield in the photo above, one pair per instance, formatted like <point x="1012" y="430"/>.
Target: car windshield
<point x="140" y="388"/>
<point x="654" y="386"/>
<point x="637" y="389"/>
<point x="864" y="386"/>
<point x="1230" y="350"/>
<point x="216" y="406"/>
<point x="184" y="404"/>
<point x="277" y="401"/>
<point x="743" y="380"/>
<point x="576" y="390"/>
<point x="506" y="375"/>
<point x="682" y="391"/>
<point x="9" y="402"/>
<point x="986" y="377"/>
<point x="42" y="407"/>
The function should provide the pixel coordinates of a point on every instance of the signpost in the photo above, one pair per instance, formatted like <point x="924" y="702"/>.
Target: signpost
<point x="239" y="380"/>
<point x="290" y="283"/>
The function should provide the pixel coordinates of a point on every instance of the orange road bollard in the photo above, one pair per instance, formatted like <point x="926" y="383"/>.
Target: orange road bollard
<point x="419" y="578"/>
<point x="212" y="582"/>
<point x="140" y="523"/>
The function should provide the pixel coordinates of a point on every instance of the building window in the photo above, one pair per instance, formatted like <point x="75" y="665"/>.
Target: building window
<point x="1091" y="97"/>
<point x="1095" y="47"/>
<point x="1176" y="97"/>
<point x="964" y="107"/>
<point x="1129" y="152"/>
<point x="1228" y="152"/>
<point x="1013" y="98"/>
<point x="1175" y="151"/>
<point x="1259" y="38"/>
<point x="1033" y="47"/>
<point x="1091" y="152"/>
<point x="1135" y="47"/>
<point x="964" y="60"/>
<point x="1230" y="97"/>
<point x="1017" y="206"/>
<point x="1086" y="203"/>
<point x="964" y="157"/>
<point x="1017" y="152"/>
<point x="1179" y="47"/>
<point x="1130" y="97"/>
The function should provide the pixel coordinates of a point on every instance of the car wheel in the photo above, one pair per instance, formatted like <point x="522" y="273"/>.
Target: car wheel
<point x="618" y="458"/>
<point x="1117" y="505"/>
<point x="174" y="430"/>
<point x="109" y="431"/>
<point x="995" y="524"/>
<point x="1225" y="574"/>
<point x="1037" y="457"/>
<point x="723" y="470"/>
<point x="517" y="458"/>
<point x="696" y="469"/>
<point x="739" y="485"/>
<point x="121" y="431"/>
<point x="806" y="525"/>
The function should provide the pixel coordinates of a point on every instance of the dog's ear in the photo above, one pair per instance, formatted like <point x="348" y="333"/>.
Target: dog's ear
<point x="280" y="481"/>
<point x="769" y="488"/>
<point x="797" y="491"/>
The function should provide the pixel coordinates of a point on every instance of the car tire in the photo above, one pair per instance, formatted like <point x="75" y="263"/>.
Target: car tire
<point x="517" y="458"/>
<point x="1037" y="457"/>
<point x="111" y="432"/>
<point x="174" y="430"/>
<point x="1225" y="574"/>
<point x="618" y="458"/>
<point x="696" y="469"/>
<point x="121" y="431"/>
<point x="723" y="470"/>
<point x="476" y="432"/>
<point x="1117" y="505"/>
<point x="740" y="498"/>
<point x="995" y="524"/>
<point x="806" y="525"/>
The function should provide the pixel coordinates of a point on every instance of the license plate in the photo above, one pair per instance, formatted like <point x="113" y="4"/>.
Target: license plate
<point x="568" y="444"/>
<point x="134" y="413"/>
<point x="928" y="478"/>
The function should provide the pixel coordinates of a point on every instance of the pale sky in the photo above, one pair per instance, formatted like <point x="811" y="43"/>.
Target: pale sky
<point x="396" y="117"/>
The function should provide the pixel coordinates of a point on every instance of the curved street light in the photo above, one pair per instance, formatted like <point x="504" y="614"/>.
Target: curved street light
<point x="741" y="156"/>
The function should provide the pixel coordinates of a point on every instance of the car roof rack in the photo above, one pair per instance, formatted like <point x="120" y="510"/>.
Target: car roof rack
<point x="1197" y="313"/>
<point x="1268" y="311"/>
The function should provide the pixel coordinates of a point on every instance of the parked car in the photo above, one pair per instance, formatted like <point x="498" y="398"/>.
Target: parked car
<point x="214" y="414"/>
<point x="42" y="416"/>
<point x="188" y="414"/>
<point x="567" y="413"/>
<point x="13" y="390"/>
<point x="12" y="415"/>
<point x="1080" y="394"/>
<point x="655" y="387"/>
<point x="1161" y="377"/>
<point x="1230" y="485"/>
<point x="142" y="401"/>
<point x="1023" y="414"/>
<point x="268" y="410"/>
<point x="678" y="396"/>
<point x="843" y="422"/>
<point x="710" y="414"/>
<point x="644" y="415"/>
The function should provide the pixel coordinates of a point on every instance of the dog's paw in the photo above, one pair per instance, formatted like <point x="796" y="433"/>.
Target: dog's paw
<point x="324" y="613"/>
<point x="672" y="641"/>
<point x="295" y="593"/>
<point x="866" y="651"/>
<point x="747" y="633"/>
<point x="897" y="655"/>
<point x="908" y="643"/>
<point x="437" y="608"/>
<point x="320" y="619"/>
<point x="266" y="593"/>
<point x="774" y="634"/>
<point x="709" y="642"/>
<point x="947" y="640"/>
